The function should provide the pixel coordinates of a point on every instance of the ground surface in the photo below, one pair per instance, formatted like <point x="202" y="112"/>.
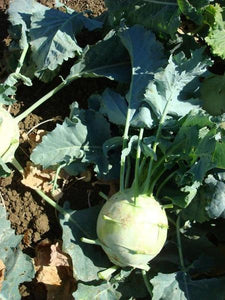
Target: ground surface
<point x="28" y="213"/>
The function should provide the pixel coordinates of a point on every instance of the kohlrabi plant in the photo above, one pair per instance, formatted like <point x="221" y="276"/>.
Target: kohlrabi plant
<point x="150" y="133"/>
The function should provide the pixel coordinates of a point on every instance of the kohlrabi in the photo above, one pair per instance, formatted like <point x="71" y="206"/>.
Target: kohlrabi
<point x="132" y="232"/>
<point x="9" y="135"/>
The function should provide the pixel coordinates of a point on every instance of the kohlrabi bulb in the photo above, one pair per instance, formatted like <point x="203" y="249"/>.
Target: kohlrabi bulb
<point x="9" y="135"/>
<point x="132" y="234"/>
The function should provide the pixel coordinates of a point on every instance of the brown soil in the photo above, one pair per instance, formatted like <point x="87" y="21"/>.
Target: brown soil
<point x="28" y="213"/>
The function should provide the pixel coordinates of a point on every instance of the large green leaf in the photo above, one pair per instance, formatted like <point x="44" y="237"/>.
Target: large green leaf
<point x="161" y="18"/>
<point x="77" y="140"/>
<point x="100" y="291"/>
<point x="53" y="36"/>
<point x="87" y="259"/>
<point x="113" y="62"/>
<point x="146" y="56"/>
<point x="180" y="286"/>
<point x="20" y="12"/>
<point x="114" y="106"/>
<point x="19" y="267"/>
<point x="177" y="79"/>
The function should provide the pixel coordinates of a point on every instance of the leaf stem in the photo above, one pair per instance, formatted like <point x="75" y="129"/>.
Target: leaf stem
<point x="123" y="159"/>
<point x="147" y="284"/>
<point x="128" y="169"/>
<point x="179" y="245"/>
<point x="137" y="165"/>
<point x="40" y="101"/>
<point x="21" y="59"/>
<point x="154" y="148"/>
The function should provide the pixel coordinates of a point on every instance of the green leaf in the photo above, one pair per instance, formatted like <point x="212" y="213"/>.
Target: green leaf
<point x="178" y="78"/>
<point x="196" y="209"/>
<point x="5" y="92"/>
<point x="13" y="78"/>
<point x="180" y="286"/>
<point x="100" y="291"/>
<point x="190" y="11"/>
<point x="53" y="36"/>
<point x="19" y="267"/>
<point x="114" y="106"/>
<point x="113" y="62"/>
<point x="145" y="61"/>
<point x="87" y="259"/>
<point x="213" y="94"/>
<point x="76" y="141"/>
<point x="20" y="12"/>
<point x="216" y="36"/>
<point x="161" y="18"/>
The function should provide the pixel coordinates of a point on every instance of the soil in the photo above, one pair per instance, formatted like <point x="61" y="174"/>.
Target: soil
<point x="30" y="215"/>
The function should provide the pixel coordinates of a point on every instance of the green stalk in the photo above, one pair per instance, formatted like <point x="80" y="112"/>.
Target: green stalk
<point x="154" y="148"/>
<point x="128" y="169"/>
<point x="165" y="182"/>
<point x="123" y="159"/>
<point x="141" y="168"/>
<point x="152" y="185"/>
<point x="179" y="245"/>
<point x="61" y="210"/>
<point x="137" y="165"/>
<point x="163" y="158"/>
<point x="57" y="176"/>
<point x="147" y="284"/>
<point x="40" y="101"/>
<point x="21" y="60"/>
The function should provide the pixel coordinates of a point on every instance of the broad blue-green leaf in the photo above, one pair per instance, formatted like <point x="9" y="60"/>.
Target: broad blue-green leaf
<point x="100" y="291"/>
<point x="146" y="56"/>
<point x="161" y="18"/>
<point x="165" y="92"/>
<point x="179" y="286"/>
<point x="77" y="141"/>
<point x="87" y="259"/>
<point x="53" y="36"/>
<point x="20" y="12"/>
<point x="215" y="196"/>
<point x="19" y="267"/>
<point x="113" y="62"/>
<point x="115" y="107"/>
